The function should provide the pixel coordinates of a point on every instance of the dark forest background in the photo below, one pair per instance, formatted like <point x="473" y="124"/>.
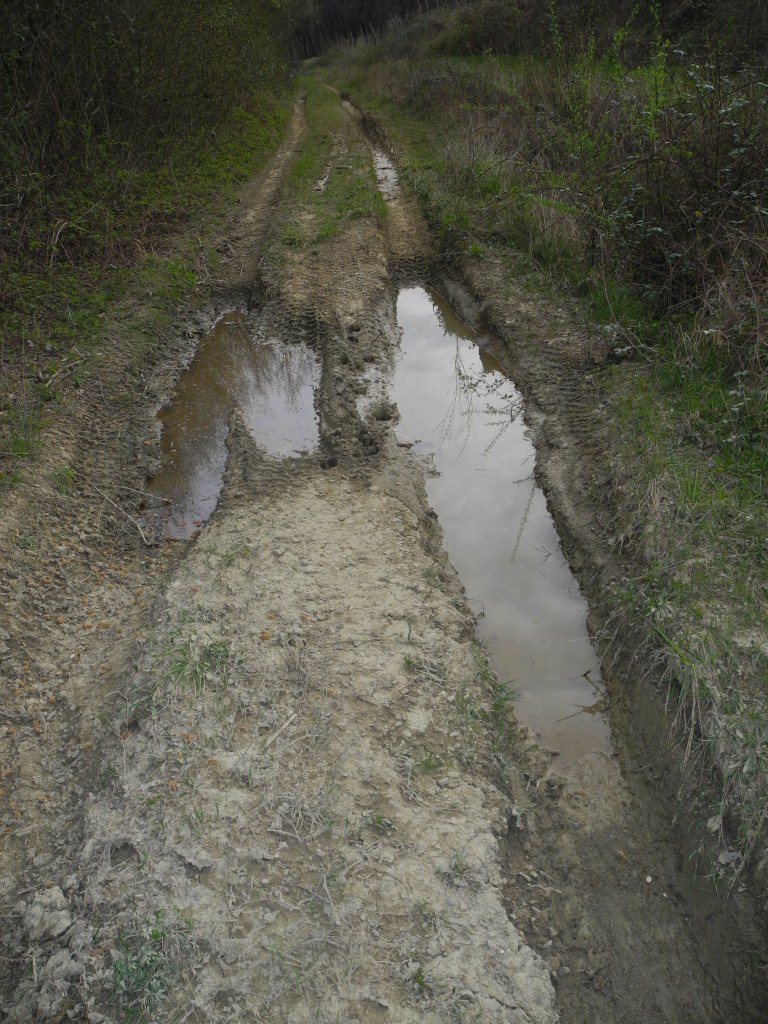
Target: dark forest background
<point x="114" y="113"/>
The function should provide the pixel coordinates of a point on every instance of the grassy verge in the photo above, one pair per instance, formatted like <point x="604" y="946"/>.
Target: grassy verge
<point x="637" y="188"/>
<point x="58" y="297"/>
<point x="332" y="182"/>
<point x="698" y="532"/>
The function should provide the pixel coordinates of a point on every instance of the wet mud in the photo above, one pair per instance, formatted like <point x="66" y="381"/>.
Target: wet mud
<point x="458" y="409"/>
<point x="270" y="382"/>
<point x="264" y="763"/>
<point x="386" y="175"/>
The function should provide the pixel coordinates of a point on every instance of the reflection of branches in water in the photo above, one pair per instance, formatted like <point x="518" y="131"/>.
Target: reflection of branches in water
<point x="276" y="368"/>
<point x="600" y="705"/>
<point x="523" y="521"/>
<point x="245" y="364"/>
<point x="487" y="393"/>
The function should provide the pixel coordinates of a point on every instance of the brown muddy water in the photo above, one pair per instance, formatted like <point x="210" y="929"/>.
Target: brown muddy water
<point x="272" y="384"/>
<point x="463" y="414"/>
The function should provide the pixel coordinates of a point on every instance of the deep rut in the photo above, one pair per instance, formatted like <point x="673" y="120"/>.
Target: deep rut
<point x="280" y="785"/>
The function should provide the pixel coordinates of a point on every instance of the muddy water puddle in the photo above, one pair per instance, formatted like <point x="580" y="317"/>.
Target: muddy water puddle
<point x="459" y="410"/>
<point x="386" y="174"/>
<point x="272" y="384"/>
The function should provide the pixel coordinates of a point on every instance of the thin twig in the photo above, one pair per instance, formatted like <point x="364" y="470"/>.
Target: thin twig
<point x="330" y="901"/>
<point x="129" y="518"/>
<point x="63" y="369"/>
<point x="146" y="494"/>
<point x="274" y="735"/>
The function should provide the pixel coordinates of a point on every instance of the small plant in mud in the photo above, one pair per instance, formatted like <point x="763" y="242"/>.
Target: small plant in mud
<point x="460" y="872"/>
<point x="419" y="979"/>
<point x="196" y="666"/>
<point x="427" y="668"/>
<point x="460" y="865"/>
<point x="196" y="819"/>
<point x="63" y="479"/>
<point x="467" y="707"/>
<point x="379" y="823"/>
<point x="148" y="960"/>
<point x="431" y="762"/>
<point x="503" y="695"/>
<point x="484" y="708"/>
<point x="460" y="1013"/>
<point x="415" y="975"/>
<point x="229" y="557"/>
<point x="139" y="699"/>
<point x="425" y="915"/>
<point x="107" y="775"/>
<point x="502" y="692"/>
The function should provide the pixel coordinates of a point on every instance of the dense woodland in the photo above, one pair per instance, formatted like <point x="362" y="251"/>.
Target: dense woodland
<point x="325" y="22"/>
<point x="523" y="26"/>
<point x="94" y="91"/>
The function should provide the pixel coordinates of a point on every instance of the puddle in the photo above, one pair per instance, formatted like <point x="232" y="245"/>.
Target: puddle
<point x="386" y="175"/>
<point x="272" y="384"/>
<point x="460" y="410"/>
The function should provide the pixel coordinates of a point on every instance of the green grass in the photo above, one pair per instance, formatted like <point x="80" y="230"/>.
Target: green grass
<point x="702" y="594"/>
<point x="148" y="959"/>
<point x="58" y="298"/>
<point x="332" y="180"/>
<point x="196" y="665"/>
<point x="63" y="479"/>
<point x="715" y="513"/>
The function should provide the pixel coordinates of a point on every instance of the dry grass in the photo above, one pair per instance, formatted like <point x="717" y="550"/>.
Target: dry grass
<point x="639" y="185"/>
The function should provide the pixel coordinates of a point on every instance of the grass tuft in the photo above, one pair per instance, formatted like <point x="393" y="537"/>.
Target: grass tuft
<point x="148" y="960"/>
<point x="195" y="665"/>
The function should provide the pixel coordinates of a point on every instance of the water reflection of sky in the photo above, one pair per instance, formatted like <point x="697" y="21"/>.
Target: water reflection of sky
<point x="273" y="386"/>
<point x="460" y="409"/>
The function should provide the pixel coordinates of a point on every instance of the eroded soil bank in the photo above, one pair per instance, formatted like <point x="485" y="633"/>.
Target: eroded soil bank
<point x="260" y="775"/>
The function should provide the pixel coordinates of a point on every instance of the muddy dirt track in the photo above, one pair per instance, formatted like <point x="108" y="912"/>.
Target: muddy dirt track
<point x="245" y="778"/>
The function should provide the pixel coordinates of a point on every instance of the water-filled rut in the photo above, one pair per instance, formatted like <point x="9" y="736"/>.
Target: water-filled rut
<point x="252" y="750"/>
<point x="272" y="383"/>
<point x="460" y="411"/>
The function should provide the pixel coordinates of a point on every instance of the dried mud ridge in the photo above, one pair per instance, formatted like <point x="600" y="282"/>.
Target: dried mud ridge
<point x="244" y="778"/>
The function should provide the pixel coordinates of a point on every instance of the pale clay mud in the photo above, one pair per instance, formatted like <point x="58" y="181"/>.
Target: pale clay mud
<point x="295" y="822"/>
<point x="257" y="761"/>
<point x="322" y="864"/>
